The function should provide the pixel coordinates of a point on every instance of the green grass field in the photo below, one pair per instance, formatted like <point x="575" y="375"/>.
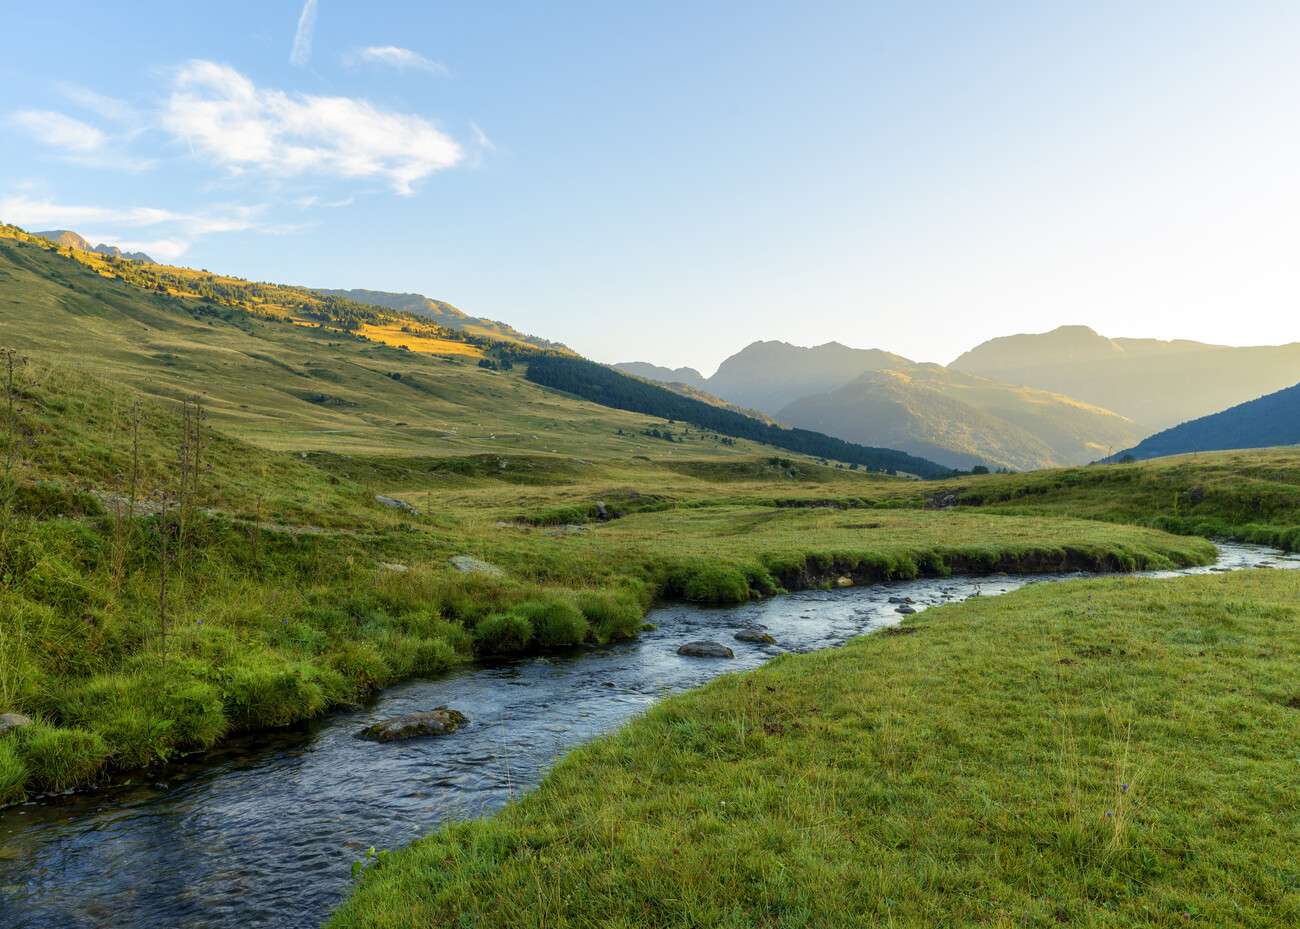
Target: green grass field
<point x="1108" y="753"/>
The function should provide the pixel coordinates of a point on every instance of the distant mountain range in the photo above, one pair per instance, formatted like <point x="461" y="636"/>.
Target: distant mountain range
<point x="1065" y="397"/>
<point x="442" y="313"/>
<point x="69" y="239"/>
<point x="1262" y="423"/>
<point x="1156" y="384"/>
<point x="963" y="420"/>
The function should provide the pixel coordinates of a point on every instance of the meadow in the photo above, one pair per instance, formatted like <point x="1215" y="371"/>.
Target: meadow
<point x="1105" y="753"/>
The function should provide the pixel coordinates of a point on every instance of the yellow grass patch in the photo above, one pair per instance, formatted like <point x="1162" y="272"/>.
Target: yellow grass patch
<point x="417" y="341"/>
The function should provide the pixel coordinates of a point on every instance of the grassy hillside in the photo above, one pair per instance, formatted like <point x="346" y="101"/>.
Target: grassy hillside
<point x="1109" y="753"/>
<point x="1262" y="423"/>
<point x="1250" y="496"/>
<point x="1156" y="384"/>
<point x="963" y="420"/>
<point x="444" y="314"/>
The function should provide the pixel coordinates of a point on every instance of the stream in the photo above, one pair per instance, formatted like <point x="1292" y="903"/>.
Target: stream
<point x="263" y="831"/>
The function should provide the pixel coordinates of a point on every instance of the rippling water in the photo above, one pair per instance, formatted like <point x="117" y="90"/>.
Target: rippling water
<point x="264" y="831"/>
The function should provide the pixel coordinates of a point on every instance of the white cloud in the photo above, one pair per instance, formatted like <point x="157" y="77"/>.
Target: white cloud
<point x="223" y="116"/>
<point x="32" y="213"/>
<point x="157" y="249"/>
<point x="59" y="131"/>
<point x="301" y="52"/>
<point x="394" y="57"/>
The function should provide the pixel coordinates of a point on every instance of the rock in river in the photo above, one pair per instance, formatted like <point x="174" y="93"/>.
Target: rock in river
<point x="706" y="650"/>
<point x="905" y="610"/>
<point x="755" y="635"/>
<point x="441" y="721"/>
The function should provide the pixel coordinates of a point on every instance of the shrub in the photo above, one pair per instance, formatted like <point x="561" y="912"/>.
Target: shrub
<point x="270" y="694"/>
<point x="13" y="773"/>
<point x="555" y="621"/>
<point x="57" y="759"/>
<point x="363" y="665"/>
<point x="612" y="618"/>
<point x="503" y="634"/>
<point x="709" y="584"/>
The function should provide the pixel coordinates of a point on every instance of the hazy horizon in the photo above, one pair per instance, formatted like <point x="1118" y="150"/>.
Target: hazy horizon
<point x="668" y="184"/>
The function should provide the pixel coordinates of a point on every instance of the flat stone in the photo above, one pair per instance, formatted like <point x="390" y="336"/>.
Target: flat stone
<point x="442" y="721"/>
<point x="705" y="650"/>
<point x="394" y="503"/>
<point x="757" y="636"/>
<point x="469" y="565"/>
<point x="11" y="721"/>
<point x="393" y="566"/>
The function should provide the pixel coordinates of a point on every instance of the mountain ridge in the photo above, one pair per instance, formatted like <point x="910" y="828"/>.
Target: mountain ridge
<point x="70" y="239"/>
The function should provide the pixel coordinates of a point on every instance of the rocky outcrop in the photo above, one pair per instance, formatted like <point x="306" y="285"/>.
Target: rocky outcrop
<point x="10" y="722"/>
<point x="442" y="721"/>
<point x="395" y="504"/>
<point x="470" y="565"/>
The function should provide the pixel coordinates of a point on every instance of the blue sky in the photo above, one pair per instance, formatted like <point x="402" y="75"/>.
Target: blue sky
<point x="671" y="181"/>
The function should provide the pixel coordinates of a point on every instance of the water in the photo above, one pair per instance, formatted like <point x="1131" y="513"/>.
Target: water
<point x="265" y="831"/>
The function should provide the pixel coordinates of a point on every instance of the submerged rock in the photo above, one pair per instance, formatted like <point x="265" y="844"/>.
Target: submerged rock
<point x="757" y="636"/>
<point x="705" y="650"/>
<point x="11" y="721"/>
<point x="469" y="565"/>
<point x="900" y="599"/>
<point x="442" y="721"/>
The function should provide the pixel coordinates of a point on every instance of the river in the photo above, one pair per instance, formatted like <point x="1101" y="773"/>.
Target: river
<point x="263" y="832"/>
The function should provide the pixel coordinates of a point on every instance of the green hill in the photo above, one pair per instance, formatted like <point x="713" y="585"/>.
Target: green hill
<point x="1269" y="421"/>
<point x="962" y="420"/>
<point x="442" y="313"/>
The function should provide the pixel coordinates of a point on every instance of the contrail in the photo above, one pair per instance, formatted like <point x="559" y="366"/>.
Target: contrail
<point x="301" y="53"/>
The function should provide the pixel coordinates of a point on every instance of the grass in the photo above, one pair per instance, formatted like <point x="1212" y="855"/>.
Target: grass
<point x="280" y="604"/>
<point x="1108" y="753"/>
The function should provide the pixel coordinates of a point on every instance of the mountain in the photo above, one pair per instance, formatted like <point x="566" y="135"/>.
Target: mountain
<point x="1155" y="383"/>
<point x="650" y="372"/>
<point x="608" y="387"/>
<point x="770" y="375"/>
<point x="963" y="420"/>
<point x="69" y="239"/>
<point x="1262" y="423"/>
<point x="442" y="313"/>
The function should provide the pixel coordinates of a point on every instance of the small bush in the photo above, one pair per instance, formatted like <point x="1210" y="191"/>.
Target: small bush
<point x="709" y="584"/>
<point x="555" y="621"/>
<point x="503" y="634"/>
<point x="13" y="773"/>
<point x="363" y="665"/>
<point x="612" y="618"/>
<point x="267" y="694"/>
<point x="57" y="759"/>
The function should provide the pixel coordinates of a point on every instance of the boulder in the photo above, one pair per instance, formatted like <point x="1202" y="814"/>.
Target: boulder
<point x="705" y="650"/>
<point x="442" y="721"/>
<point x="11" y="721"/>
<point x="602" y="513"/>
<point x="900" y="599"/>
<point x="394" y="503"/>
<point x="905" y="610"/>
<point x="757" y="636"/>
<point x="844" y="581"/>
<point x="393" y="567"/>
<point x="469" y="565"/>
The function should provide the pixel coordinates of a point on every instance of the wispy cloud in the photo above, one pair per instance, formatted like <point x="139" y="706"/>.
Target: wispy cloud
<point x="300" y="54"/>
<point x="393" y="56"/>
<point x="224" y="116"/>
<point x="59" y="131"/>
<point x="482" y="139"/>
<point x="102" y="105"/>
<point x="175" y="230"/>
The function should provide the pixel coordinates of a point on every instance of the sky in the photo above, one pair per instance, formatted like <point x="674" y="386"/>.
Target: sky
<point x="670" y="181"/>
